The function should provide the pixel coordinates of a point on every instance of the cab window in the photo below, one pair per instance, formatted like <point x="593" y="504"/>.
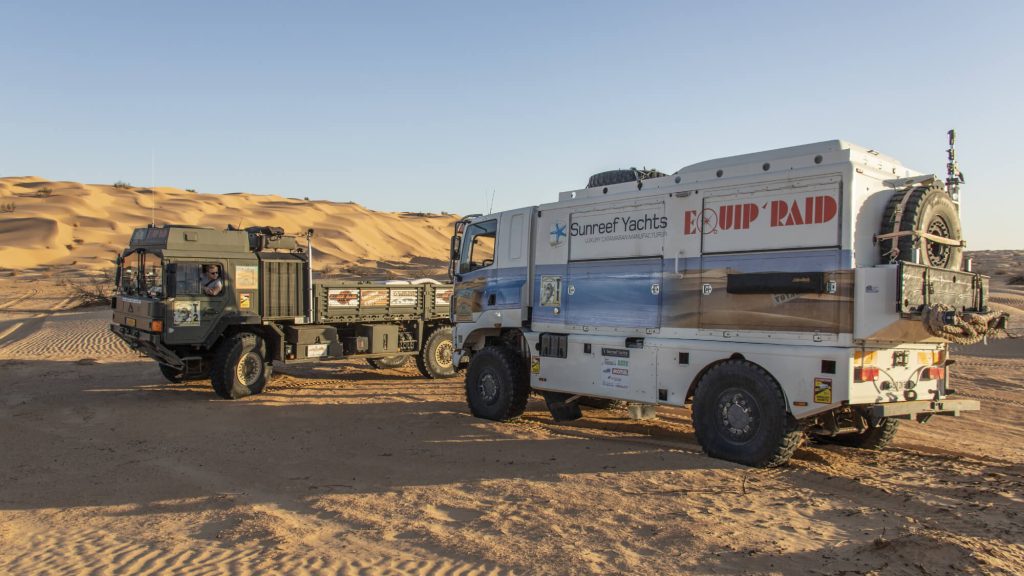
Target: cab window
<point x="186" y="278"/>
<point x="151" y="281"/>
<point x="478" y="245"/>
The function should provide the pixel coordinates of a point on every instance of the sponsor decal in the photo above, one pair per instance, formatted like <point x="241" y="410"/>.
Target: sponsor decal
<point x="823" y="390"/>
<point x="780" y="213"/>
<point x="620" y="227"/>
<point x="615" y="352"/>
<point x="550" y="290"/>
<point x="340" y="298"/>
<point x="245" y="277"/>
<point x="374" y="297"/>
<point x="558" y="233"/>
<point x="186" y="313"/>
<point x="403" y="296"/>
<point x="535" y="364"/>
<point x="442" y="297"/>
<point x="615" y="371"/>
<point x="244" y="300"/>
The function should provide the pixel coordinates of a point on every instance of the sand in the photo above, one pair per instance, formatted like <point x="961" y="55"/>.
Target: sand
<point x="107" y="469"/>
<point x="69" y="226"/>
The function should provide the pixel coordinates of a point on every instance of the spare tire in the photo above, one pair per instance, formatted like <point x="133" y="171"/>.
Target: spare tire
<point x="619" y="176"/>
<point x="927" y="209"/>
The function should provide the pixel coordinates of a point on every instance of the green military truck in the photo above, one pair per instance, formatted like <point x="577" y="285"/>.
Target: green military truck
<point x="265" y="307"/>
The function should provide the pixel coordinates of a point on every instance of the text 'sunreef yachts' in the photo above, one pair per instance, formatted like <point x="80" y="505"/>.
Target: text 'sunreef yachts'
<point x="806" y="290"/>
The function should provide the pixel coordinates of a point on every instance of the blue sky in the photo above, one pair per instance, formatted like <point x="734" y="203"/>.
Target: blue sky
<point x="434" y="106"/>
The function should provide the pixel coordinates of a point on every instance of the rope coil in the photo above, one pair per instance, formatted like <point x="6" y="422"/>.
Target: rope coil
<point x="964" y="328"/>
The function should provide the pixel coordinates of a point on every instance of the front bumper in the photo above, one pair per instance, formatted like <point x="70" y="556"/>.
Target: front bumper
<point x="147" y="343"/>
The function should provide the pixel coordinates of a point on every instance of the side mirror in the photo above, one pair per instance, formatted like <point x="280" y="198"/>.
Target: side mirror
<point x="171" y="280"/>
<point x="117" y="272"/>
<point x="456" y="245"/>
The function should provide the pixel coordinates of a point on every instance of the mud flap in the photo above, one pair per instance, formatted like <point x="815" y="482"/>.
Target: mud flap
<point x="563" y="407"/>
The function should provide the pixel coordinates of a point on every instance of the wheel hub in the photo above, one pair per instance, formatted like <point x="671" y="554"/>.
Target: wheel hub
<point x="938" y="254"/>
<point x="488" y="388"/>
<point x="443" y="354"/>
<point x="738" y="414"/>
<point x="249" y="368"/>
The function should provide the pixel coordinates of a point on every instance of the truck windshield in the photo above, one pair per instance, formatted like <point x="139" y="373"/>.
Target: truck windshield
<point x="142" y="274"/>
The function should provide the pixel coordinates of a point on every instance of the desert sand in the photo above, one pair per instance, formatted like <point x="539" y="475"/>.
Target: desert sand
<point x="337" y="468"/>
<point x="77" y="227"/>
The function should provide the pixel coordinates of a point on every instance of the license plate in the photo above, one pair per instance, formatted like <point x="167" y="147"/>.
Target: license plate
<point x="316" y="350"/>
<point x="131" y="322"/>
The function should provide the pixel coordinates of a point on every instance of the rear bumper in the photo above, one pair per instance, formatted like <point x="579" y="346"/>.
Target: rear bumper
<point x="923" y="407"/>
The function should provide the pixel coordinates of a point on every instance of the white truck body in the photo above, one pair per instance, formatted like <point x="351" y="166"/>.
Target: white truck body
<point x="631" y="292"/>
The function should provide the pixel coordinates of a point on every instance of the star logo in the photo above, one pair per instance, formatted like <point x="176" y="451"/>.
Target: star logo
<point x="558" y="234"/>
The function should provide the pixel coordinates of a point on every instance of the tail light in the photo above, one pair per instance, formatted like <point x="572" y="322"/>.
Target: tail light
<point x="865" y="373"/>
<point x="156" y="325"/>
<point x="933" y="373"/>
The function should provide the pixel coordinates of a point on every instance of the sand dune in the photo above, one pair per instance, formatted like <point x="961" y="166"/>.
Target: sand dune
<point x="44" y="223"/>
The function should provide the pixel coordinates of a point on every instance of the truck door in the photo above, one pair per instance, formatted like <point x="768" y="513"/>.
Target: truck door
<point x="193" y="313"/>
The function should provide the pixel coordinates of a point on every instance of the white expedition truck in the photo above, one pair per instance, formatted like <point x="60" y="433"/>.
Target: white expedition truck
<point x="810" y="290"/>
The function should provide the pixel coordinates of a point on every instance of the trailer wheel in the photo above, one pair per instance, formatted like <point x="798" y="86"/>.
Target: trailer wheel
<point x="497" y="384"/>
<point x="387" y="362"/>
<point x="876" y="437"/>
<point x="739" y="414"/>
<point x="435" y="359"/>
<point x="928" y="209"/>
<point x="239" y="368"/>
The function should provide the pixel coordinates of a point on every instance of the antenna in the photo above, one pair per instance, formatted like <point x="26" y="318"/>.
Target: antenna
<point x="491" y="209"/>
<point x="954" y="177"/>
<point x="152" y="184"/>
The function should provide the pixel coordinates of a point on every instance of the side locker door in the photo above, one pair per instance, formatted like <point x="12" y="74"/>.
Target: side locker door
<point x="771" y="258"/>
<point x="615" y="267"/>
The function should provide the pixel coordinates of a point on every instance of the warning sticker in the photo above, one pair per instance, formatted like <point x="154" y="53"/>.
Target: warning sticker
<point x="244" y="300"/>
<point x="535" y="364"/>
<point x="823" y="390"/>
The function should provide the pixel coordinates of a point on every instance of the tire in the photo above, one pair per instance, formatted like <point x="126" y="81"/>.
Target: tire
<point x="239" y="367"/>
<point x="600" y="403"/>
<point x="497" y="384"/>
<point x="171" y="374"/>
<point x="739" y="414"/>
<point x="387" y="362"/>
<point x="435" y="359"/>
<point x="931" y="210"/>
<point x="613" y="177"/>
<point x="874" y="438"/>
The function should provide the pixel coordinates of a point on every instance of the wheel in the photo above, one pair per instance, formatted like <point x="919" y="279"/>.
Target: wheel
<point x="497" y="384"/>
<point x="876" y="437"/>
<point x="740" y="415"/>
<point x="435" y="359"/>
<point x="387" y="362"/>
<point x="239" y="368"/>
<point x="929" y="210"/>
<point x="619" y="176"/>
<point x="171" y="374"/>
<point x="600" y="403"/>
